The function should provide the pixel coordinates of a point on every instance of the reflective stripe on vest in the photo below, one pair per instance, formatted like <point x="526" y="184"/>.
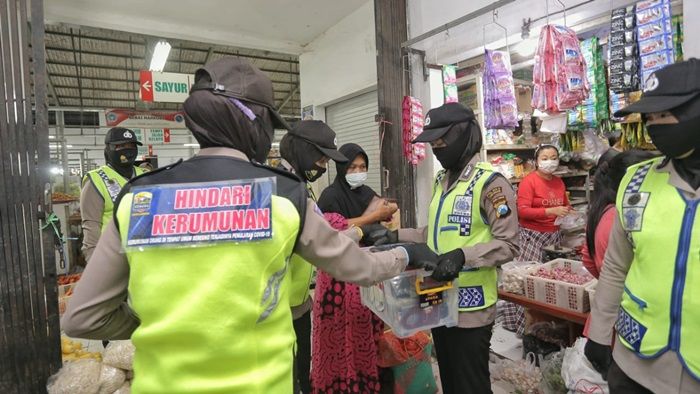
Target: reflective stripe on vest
<point x="214" y="319"/>
<point x="660" y="310"/>
<point x="108" y="183"/>
<point x="460" y="227"/>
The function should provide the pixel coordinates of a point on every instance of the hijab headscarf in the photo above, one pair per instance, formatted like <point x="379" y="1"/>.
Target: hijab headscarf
<point x="339" y="197"/>
<point x="219" y="121"/>
<point x="302" y="156"/>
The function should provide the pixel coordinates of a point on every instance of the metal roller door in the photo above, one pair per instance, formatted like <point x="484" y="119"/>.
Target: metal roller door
<point x="353" y="121"/>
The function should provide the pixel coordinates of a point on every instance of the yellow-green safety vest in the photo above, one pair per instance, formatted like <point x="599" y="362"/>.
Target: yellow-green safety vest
<point x="455" y="221"/>
<point x="242" y="341"/>
<point x="660" y="306"/>
<point x="301" y="273"/>
<point x="108" y="183"/>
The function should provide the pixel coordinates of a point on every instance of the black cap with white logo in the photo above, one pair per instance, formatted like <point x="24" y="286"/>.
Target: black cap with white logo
<point x="120" y="135"/>
<point x="667" y="88"/>
<point x="321" y="136"/>
<point x="439" y="120"/>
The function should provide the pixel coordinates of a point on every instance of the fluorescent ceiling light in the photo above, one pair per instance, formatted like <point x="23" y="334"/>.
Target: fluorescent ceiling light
<point x="160" y="56"/>
<point x="51" y="137"/>
<point x="191" y="145"/>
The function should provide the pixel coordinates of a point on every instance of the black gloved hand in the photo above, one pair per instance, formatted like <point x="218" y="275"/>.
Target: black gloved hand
<point x="600" y="357"/>
<point x="449" y="265"/>
<point x="375" y="234"/>
<point x="420" y="256"/>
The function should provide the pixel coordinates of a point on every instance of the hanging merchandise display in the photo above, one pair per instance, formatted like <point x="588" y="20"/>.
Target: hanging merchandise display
<point x="449" y="82"/>
<point x="655" y="35"/>
<point x="559" y="73"/>
<point x="500" y="107"/>
<point x="412" y="127"/>
<point x="593" y="110"/>
<point x="677" y="24"/>
<point x="623" y="56"/>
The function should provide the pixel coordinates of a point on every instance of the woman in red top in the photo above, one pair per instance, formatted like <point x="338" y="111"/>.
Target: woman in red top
<point x="541" y="200"/>
<point x="601" y="211"/>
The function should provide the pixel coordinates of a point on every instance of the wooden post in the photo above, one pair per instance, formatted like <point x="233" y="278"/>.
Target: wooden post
<point x="398" y="179"/>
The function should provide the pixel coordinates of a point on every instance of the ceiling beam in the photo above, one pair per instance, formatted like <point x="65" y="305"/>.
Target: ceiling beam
<point x="221" y="51"/>
<point x="52" y="90"/>
<point x="288" y="98"/>
<point x="107" y="79"/>
<point x="98" y="66"/>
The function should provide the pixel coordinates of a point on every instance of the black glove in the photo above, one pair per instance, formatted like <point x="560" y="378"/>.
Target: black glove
<point x="376" y="234"/>
<point x="600" y="357"/>
<point x="449" y="265"/>
<point x="420" y="256"/>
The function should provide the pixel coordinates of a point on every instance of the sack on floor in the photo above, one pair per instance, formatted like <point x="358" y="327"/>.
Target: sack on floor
<point x="578" y="373"/>
<point x="524" y="375"/>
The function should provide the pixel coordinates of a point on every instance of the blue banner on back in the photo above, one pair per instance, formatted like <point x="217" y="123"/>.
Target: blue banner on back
<point x="201" y="213"/>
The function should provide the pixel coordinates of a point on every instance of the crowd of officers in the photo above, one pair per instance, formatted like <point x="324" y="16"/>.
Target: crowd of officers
<point x="215" y="317"/>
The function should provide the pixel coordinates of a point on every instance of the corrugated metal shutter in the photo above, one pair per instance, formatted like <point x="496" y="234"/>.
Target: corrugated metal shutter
<point x="353" y="121"/>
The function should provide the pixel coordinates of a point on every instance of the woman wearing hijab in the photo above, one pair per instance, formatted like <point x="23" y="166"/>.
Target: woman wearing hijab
<point x="345" y="334"/>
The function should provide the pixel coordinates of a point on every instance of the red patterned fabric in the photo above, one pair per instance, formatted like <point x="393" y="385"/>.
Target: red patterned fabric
<point x="345" y="335"/>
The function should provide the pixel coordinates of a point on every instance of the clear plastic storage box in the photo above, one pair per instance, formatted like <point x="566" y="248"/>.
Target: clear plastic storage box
<point x="397" y="303"/>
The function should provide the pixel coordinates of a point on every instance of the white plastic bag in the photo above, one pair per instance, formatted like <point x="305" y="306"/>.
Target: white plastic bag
<point x="125" y="389"/>
<point x="578" y="373"/>
<point x="111" y="379"/>
<point x="524" y="375"/>
<point x="119" y="354"/>
<point x="76" y="377"/>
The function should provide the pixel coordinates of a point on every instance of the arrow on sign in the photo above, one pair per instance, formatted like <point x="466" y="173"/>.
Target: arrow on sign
<point x="145" y="85"/>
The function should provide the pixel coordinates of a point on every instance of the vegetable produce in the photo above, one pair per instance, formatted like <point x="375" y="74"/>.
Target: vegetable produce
<point x="563" y="274"/>
<point x="72" y="351"/>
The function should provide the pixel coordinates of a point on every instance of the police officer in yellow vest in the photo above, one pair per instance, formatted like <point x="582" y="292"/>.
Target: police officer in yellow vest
<point x="649" y="288"/>
<point x="305" y="151"/>
<point x="102" y="186"/>
<point x="201" y="251"/>
<point x="473" y="226"/>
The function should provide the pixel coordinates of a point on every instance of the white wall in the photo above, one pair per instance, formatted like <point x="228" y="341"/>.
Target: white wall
<point x="691" y="27"/>
<point x="339" y="64"/>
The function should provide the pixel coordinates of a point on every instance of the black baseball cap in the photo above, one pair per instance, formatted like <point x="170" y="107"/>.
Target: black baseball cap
<point x="237" y="78"/>
<point x="667" y="88"/>
<point x="120" y="135"/>
<point x="439" y="120"/>
<point x="321" y="136"/>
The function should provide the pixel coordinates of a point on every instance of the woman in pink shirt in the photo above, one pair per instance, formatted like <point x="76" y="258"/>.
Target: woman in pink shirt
<point x="601" y="211"/>
<point x="541" y="199"/>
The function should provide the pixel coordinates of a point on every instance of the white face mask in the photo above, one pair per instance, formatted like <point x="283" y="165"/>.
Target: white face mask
<point x="356" y="179"/>
<point x="548" y="166"/>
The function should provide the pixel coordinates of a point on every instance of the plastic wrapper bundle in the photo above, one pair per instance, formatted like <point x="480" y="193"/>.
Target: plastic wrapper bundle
<point x="500" y="106"/>
<point x="412" y="127"/>
<point x="449" y="83"/>
<point x="119" y="354"/>
<point x="111" y="379"/>
<point x="655" y="36"/>
<point x="623" y="55"/>
<point x="559" y="74"/>
<point x="594" y="109"/>
<point x="76" y="377"/>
